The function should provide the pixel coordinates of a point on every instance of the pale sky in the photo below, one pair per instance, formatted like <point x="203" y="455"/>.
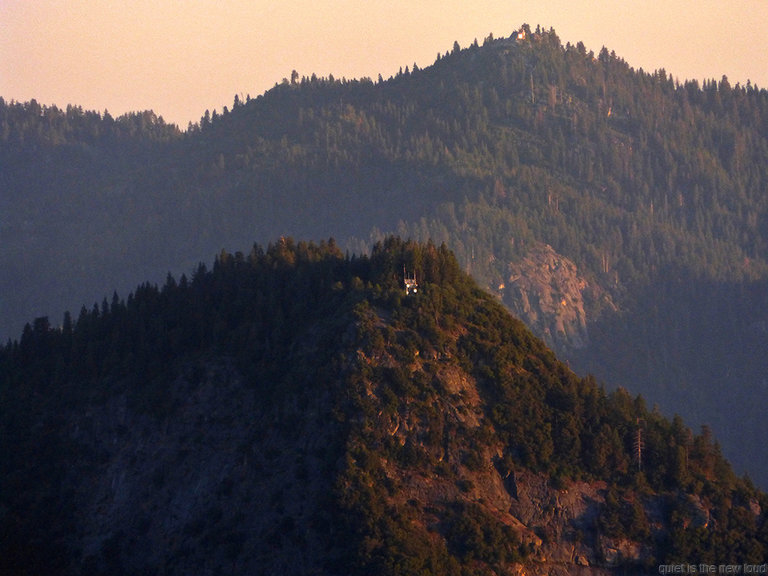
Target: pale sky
<point x="181" y="57"/>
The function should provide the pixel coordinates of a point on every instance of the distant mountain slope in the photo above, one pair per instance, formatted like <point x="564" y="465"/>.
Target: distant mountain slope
<point x="294" y="411"/>
<point x="649" y="192"/>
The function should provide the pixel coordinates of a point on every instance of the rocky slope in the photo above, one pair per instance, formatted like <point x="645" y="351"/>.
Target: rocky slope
<point x="220" y="484"/>
<point x="216" y="485"/>
<point x="548" y="292"/>
<point x="294" y="411"/>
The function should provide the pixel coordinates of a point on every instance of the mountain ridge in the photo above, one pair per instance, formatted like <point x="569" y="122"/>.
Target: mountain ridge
<point x="294" y="409"/>
<point x="651" y="188"/>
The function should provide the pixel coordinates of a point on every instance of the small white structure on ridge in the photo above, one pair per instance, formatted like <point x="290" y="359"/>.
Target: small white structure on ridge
<point x="411" y="286"/>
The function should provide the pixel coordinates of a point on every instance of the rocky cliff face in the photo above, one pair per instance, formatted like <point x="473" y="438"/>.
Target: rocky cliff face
<point x="547" y="291"/>
<point x="219" y="483"/>
<point x="299" y="413"/>
<point x="555" y="526"/>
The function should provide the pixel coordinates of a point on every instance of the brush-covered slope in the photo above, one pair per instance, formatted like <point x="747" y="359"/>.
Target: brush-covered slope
<point x="293" y="411"/>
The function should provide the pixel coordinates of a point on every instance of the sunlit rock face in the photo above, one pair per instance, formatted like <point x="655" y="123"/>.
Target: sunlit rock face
<point x="548" y="293"/>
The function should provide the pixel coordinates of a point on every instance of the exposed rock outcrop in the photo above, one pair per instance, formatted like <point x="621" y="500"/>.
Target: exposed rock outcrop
<point x="547" y="292"/>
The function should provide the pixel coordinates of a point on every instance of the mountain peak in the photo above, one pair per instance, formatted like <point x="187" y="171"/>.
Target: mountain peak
<point x="294" y="410"/>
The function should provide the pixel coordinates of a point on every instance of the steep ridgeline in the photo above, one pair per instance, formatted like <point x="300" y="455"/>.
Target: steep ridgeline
<point x="650" y="193"/>
<point x="294" y="411"/>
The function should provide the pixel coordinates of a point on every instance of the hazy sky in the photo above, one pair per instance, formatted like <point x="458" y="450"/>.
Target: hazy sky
<point x="181" y="57"/>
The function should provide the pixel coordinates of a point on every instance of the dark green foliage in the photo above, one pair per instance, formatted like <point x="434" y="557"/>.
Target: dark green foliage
<point x="300" y="321"/>
<point x="474" y="535"/>
<point x="653" y="187"/>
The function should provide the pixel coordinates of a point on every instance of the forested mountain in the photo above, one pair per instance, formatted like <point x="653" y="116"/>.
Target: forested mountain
<point x="620" y="213"/>
<point x="295" y="411"/>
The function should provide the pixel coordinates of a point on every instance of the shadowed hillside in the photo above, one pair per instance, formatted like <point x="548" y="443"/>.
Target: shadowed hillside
<point x="295" y="411"/>
<point x="620" y="213"/>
